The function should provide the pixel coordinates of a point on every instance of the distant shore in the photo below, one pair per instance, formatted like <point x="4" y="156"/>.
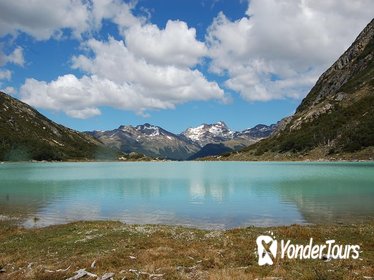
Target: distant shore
<point x="209" y="159"/>
<point x="171" y="252"/>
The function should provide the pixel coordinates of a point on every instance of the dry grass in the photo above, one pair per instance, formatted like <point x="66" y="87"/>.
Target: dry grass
<point x="165" y="252"/>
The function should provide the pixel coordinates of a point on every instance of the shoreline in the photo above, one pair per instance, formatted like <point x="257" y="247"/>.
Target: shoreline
<point x="173" y="252"/>
<point x="33" y="223"/>
<point x="205" y="160"/>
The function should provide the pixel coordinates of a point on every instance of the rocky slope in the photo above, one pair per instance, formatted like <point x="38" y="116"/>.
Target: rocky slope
<point x="26" y="134"/>
<point x="335" y="120"/>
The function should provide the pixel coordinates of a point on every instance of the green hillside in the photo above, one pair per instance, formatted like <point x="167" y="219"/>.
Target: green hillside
<point x="25" y="134"/>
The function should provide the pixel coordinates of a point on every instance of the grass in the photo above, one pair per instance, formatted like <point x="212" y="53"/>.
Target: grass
<point x="168" y="252"/>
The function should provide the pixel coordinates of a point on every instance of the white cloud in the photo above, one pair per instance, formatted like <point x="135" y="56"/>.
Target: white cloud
<point x="277" y="50"/>
<point x="117" y="11"/>
<point x="83" y="113"/>
<point x="42" y="19"/>
<point x="16" y="57"/>
<point x="149" y="69"/>
<point x="9" y="90"/>
<point x="280" y="47"/>
<point x="5" y="75"/>
<point x="174" y="45"/>
<point x="119" y="79"/>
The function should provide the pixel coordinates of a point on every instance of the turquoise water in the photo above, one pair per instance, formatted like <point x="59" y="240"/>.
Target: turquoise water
<point x="199" y="194"/>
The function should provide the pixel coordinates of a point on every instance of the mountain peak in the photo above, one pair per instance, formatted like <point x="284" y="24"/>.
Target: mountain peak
<point x="150" y="130"/>
<point x="221" y="123"/>
<point x="209" y="133"/>
<point x="259" y="131"/>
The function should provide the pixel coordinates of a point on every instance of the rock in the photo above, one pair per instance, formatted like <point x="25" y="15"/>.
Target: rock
<point x="93" y="264"/>
<point x="81" y="273"/>
<point x="63" y="270"/>
<point x="106" y="276"/>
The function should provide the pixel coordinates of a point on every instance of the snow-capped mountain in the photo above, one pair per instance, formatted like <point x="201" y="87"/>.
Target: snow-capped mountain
<point x="209" y="133"/>
<point x="221" y="133"/>
<point x="155" y="141"/>
<point x="149" y="140"/>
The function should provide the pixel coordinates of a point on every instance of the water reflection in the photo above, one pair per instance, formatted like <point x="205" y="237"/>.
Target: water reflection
<point x="206" y="195"/>
<point x="344" y="199"/>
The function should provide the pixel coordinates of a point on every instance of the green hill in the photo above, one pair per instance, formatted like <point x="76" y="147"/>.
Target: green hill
<point x="25" y="134"/>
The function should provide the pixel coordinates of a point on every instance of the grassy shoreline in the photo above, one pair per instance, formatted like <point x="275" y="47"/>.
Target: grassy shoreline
<point x="173" y="252"/>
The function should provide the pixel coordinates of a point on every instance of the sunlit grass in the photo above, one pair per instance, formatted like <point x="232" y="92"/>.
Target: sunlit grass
<point x="166" y="252"/>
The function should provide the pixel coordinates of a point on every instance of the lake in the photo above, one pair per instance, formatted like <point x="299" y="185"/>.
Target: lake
<point x="199" y="194"/>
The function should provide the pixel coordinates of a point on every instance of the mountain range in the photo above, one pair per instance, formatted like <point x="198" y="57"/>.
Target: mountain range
<point x="25" y="134"/>
<point x="154" y="141"/>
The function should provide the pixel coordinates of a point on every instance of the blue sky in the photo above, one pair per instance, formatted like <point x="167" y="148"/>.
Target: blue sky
<point x="99" y="64"/>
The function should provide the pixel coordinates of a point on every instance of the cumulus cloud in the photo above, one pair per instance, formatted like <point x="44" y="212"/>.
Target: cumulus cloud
<point x="5" y="75"/>
<point x="118" y="78"/>
<point x="279" y="48"/>
<point x="116" y="11"/>
<point x="83" y="113"/>
<point x="15" y="57"/>
<point x="276" y="50"/>
<point x="174" y="45"/>
<point x="151" y="68"/>
<point x="43" y="20"/>
<point x="9" y="90"/>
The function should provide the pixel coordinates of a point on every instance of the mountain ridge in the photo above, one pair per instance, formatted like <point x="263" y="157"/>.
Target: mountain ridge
<point x="147" y="139"/>
<point x="154" y="141"/>
<point x="26" y="134"/>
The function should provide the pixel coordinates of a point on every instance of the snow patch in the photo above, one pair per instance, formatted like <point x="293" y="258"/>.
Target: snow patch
<point x="156" y="132"/>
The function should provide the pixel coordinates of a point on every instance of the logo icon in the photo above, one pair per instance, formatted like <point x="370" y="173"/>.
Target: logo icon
<point x="266" y="249"/>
